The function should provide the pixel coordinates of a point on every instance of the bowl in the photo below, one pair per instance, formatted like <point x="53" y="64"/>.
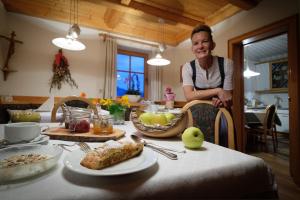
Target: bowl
<point x="14" y="170"/>
<point x="176" y="127"/>
<point x="21" y="131"/>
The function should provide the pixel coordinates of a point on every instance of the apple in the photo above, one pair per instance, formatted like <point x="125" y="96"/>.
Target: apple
<point x="159" y="119"/>
<point x="169" y="116"/>
<point x="192" y="138"/>
<point x="146" y="118"/>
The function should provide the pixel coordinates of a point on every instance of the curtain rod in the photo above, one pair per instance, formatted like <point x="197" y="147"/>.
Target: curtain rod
<point x="105" y="35"/>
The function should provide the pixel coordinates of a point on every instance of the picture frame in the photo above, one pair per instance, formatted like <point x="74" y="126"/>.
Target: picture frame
<point x="279" y="75"/>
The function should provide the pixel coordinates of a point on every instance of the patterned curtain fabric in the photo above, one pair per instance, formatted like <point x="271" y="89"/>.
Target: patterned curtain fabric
<point x="155" y="83"/>
<point x="109" y="86"/>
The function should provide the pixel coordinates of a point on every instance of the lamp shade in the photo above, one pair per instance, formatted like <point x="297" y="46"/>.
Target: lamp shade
<point x="158" y="60"/>
<point x="249" y="73"/>
<point x="69" y="44"/>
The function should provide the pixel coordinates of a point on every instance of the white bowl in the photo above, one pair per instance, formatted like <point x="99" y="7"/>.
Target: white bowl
<point x="10" y="173"/>
<point x="21" y="132"/>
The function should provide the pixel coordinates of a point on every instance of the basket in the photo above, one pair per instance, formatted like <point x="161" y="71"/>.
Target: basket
<point x="176" y="127"/>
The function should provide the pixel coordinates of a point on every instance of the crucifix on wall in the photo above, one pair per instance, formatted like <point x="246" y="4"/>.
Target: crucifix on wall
<point x="10" y="52"/>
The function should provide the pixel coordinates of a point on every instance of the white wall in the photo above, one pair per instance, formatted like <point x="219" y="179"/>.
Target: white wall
<point x="266" y="12"/>
<point x="3" y="28"/>
<point x="34" y="58"/>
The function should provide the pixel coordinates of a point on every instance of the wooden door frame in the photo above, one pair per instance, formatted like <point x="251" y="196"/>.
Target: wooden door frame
<point x="235" y="52"/>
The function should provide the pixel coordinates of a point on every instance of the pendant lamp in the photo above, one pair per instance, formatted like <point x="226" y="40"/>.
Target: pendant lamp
<point x="71" y="42"/>
<point x="248" y="73"/>
<point x="158" y="60"/>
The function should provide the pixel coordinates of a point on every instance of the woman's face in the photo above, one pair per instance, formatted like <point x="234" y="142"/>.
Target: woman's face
<point x="202" y="45"/>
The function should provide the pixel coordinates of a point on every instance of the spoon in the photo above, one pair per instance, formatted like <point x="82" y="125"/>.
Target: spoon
<point x="157" y="149"/>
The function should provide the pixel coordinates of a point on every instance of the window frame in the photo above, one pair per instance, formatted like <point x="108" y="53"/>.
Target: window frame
<point x="138" y="54"/>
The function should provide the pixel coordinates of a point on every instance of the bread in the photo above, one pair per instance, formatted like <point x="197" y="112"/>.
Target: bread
<point x="110" y="153"/>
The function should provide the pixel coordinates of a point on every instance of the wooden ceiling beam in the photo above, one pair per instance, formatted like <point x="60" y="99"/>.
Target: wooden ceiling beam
<point x="223" y="13"/>
<point x="125" y="2"/>
<point x="168" y="15"/>
<point x="244" y="4"/>
<point x="112" y="17"/>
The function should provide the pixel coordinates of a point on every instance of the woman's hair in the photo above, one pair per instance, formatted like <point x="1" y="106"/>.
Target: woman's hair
<point x="202" y="27"/>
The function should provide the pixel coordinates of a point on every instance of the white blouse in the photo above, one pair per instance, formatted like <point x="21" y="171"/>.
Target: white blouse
<point x="214" y="76"/>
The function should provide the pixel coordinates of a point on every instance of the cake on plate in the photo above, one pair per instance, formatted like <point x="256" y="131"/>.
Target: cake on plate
<point x="110" y="153"/>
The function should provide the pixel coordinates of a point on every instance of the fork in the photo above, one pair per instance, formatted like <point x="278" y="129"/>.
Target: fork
<point x="66" y="145"/>
<point x="84" y="147"/>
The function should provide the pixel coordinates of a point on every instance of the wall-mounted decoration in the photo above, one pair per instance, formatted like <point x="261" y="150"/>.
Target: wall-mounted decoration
<point x="279" y="75"/>
<point x="10" y="52"/>
<point x="61" y="72"/>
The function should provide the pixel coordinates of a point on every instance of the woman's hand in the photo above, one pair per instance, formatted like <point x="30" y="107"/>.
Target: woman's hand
<point x="224" y="99"/>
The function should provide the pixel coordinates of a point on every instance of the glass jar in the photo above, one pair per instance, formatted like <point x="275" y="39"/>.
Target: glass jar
<point x="118" y="117"/>
<point x="103" y="124"/>
<point x="80" y="123"/>
<point x="67" y="120"/>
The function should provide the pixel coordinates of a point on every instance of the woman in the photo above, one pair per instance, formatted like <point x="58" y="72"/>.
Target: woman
<point x="208" y="76"/>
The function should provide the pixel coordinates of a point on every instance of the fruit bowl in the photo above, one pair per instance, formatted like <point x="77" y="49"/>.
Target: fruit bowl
<point x="174" y="128"/>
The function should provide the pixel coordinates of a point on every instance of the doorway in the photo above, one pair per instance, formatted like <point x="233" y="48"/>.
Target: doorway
<point x="266" y="83"/>
<point x="236" y="53"/>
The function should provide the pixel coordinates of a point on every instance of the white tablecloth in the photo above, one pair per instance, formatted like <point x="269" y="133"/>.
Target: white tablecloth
<point x="212" y="171"/>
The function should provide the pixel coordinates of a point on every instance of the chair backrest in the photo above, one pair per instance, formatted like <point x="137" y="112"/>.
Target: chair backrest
<point x="72" y="101"/>
<point x="215" y="123"/>
<point x="270" y="116"/>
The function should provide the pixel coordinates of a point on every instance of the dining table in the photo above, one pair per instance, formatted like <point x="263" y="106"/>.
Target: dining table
<point x="211" y="171"/>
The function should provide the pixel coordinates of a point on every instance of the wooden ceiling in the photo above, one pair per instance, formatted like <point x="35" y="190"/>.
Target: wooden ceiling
<point x="136" y="18"/>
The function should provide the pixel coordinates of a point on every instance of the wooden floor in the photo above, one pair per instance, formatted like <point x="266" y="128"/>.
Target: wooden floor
<point x="279" y="162"/>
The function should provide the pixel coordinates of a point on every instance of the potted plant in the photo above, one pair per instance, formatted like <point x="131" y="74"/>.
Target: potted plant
<point x="116" y="108"/>
<point x="133" y="91"/>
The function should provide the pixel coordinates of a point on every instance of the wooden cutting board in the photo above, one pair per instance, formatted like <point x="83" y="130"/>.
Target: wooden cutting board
<point x="64" y="134"/>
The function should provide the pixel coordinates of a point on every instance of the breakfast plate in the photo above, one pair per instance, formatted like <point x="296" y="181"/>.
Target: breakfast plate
<point x="141" y="162"/>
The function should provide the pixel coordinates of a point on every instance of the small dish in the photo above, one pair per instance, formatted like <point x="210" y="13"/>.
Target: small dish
<point x="25" y="170"/>
<point x="41" y="139"/>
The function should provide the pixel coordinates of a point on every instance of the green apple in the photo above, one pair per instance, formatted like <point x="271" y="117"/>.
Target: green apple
<point x="146" y="118"/>
<point x="160" y="119"/>
<point x="192" y="138"/>
<point x="169" y="116"/>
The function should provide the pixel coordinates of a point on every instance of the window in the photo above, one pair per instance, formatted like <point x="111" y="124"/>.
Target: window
<point x="131" y="73"/>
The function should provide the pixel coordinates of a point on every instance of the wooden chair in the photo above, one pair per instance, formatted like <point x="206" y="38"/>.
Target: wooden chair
<point x="268" y="128"/>
<point x="72" y="101"/>
<point x="215" y="123"/>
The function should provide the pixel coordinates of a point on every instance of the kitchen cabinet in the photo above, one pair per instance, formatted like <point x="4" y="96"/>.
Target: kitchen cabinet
<point x="262" y="81"/>
<point x="284" y="118"/>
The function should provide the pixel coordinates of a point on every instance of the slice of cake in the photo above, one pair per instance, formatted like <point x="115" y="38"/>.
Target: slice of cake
<point x="110" y="153"/>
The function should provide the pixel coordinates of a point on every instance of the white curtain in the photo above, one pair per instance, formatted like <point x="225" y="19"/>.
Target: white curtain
<point x="109" y="86"/>
<point x="155" y="83"/>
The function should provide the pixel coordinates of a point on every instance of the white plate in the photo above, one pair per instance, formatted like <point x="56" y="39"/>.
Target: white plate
<point x="145" y="160"/>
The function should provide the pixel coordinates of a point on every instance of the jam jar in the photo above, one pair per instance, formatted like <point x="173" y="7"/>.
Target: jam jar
<point x="103" y="124"/>
<point x="80" y="123"/>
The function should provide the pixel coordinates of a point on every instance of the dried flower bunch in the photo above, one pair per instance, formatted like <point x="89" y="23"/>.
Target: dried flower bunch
<point x="61" y="72"/>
